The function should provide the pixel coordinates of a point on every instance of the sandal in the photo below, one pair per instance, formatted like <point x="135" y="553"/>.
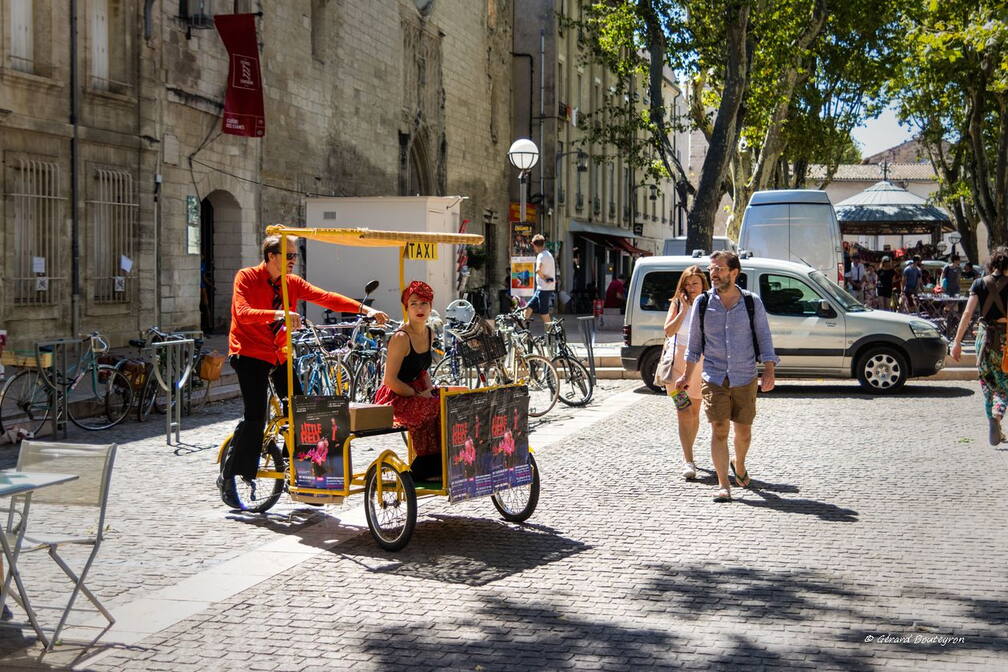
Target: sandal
<point x="723" y="495"/>
<point x="743" y="480"/>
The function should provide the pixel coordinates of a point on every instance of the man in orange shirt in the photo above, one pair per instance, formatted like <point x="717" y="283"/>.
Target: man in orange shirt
<point x="256" y="345"/>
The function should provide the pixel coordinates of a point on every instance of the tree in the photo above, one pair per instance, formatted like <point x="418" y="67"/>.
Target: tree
<point x="771" y="85"/>
<point x="953" y="86"/>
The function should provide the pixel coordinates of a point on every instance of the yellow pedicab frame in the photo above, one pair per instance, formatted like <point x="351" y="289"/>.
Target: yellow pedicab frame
<point x="354" y="482"/>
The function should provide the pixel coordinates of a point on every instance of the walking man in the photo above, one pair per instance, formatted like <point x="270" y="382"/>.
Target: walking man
<point x="729" y="327"/>
<point x="545" y="281"/>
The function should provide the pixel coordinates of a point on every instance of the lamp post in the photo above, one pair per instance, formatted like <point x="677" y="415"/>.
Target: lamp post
<point x="524" y="155"/>
<point x="954" y="238"/>
<point x="633" y="201"/>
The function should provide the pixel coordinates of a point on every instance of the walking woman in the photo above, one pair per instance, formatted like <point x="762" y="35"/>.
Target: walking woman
<point x="991" y="293"/>
<point x="692" y="283"/>
<point x="407" y="385"/>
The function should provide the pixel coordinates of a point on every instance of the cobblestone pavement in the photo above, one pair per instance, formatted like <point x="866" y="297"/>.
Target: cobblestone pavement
<point x="872" y="538"/>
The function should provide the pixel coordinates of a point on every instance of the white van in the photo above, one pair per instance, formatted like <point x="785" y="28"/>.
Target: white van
<point x="795" y="225"/>
<point x="819" y="330"/>
<point x="677" y="245"/>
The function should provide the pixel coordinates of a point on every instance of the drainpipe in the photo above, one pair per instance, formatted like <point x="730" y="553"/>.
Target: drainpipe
<point x="542" y="111"/>
<point x="74" y="179"/>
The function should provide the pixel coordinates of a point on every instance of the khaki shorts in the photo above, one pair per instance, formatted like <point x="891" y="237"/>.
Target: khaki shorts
<point x="737" y="404"/>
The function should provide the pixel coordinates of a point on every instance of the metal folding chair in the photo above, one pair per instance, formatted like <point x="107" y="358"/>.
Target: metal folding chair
<point x="93" y="466"/>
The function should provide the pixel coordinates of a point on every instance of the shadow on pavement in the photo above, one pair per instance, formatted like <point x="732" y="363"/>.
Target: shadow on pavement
<point x="710" y="478"/>
<point x="809" y="507"/>
<point x="794" y="390"/>
<point x="525" y="635"/>
<point x="464" y="550"/>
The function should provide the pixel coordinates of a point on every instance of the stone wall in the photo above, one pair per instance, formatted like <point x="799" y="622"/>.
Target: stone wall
<point x="362" y="97"/>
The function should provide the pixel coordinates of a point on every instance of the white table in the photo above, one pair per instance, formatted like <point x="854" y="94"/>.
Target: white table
<point x="23" y="484"/>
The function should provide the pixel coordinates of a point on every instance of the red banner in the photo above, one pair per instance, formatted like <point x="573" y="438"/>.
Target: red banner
<point x="243" y="103"/>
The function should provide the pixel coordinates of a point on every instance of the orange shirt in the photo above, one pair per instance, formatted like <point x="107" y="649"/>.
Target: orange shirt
<point x="252" y="311"/>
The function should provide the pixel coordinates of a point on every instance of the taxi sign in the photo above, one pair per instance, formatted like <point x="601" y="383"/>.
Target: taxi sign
<point x="422" y="251"/>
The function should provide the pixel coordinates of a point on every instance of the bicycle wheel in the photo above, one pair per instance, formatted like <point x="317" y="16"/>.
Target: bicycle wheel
<point x="517" y="504"/>
<point x="391" y="517"/>
<point x="260" y="494"/>
<point x="543" y="384"/>
<point x="148" y="395"/>
<point x="459" y="375"/>
<point x="367" y="379"/>
<point x="196" y="393"/>
<point x="104" y="401"/>
<point x="24" y="403"/>
<point x="576" y="385"/>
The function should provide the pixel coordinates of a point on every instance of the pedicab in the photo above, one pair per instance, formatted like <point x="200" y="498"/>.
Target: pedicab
<point x="307" y="441"/>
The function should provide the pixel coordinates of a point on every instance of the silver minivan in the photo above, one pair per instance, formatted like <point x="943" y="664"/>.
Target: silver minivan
<point x="796" y="225"/>
<point x="819" y="330"/>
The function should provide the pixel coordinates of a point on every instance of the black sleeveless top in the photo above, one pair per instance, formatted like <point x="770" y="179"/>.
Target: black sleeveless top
<point x="415" y="363"/>
<point x="991" y="308"/>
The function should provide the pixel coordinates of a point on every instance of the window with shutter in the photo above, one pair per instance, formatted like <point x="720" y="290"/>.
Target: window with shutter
<point x="22" y="52"/>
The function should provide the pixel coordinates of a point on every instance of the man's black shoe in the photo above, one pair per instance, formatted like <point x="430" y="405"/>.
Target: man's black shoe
<point x="228" y="493"/>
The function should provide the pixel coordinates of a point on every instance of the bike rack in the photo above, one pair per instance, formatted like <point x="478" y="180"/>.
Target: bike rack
<point x="177" y="358"/>
<point x="56" y="374"/>
<point x="587" y="324"/>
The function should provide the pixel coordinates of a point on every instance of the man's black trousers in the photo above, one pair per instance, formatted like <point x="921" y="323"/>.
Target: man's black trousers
<point x="253" y="379"/>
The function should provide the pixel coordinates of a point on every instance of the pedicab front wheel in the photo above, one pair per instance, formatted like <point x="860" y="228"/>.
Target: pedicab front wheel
<point x="517" y="504"/>
<point x="391" y="516"/>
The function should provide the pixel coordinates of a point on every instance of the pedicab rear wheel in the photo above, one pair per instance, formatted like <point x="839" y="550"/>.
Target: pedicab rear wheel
<point x="517" y="504"/>
<point x="392" y="517"/>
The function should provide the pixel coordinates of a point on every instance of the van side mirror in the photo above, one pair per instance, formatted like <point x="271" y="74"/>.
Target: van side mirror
<point x="825" y="309"/>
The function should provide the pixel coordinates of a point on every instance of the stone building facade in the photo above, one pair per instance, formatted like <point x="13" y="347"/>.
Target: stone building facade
<point x="362" y="97"/>
<point x="600" y="211"/>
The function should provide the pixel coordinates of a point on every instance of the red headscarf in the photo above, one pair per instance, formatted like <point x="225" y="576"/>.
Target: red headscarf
<point x="421" y="289"/>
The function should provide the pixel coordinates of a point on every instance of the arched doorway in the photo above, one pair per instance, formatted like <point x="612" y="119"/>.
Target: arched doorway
<point x="220" y="258"/>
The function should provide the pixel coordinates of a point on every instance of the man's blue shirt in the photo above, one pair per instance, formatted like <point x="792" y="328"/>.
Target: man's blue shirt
<point x="727" y="344"/>
<point x="911" y="277"/>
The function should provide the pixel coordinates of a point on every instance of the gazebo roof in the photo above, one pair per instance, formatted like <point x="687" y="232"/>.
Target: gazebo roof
<point x="884" y="208"/>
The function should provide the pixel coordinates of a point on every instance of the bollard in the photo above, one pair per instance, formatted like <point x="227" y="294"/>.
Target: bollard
<point x="172" y="360"/>
<point x="588" y="335"/>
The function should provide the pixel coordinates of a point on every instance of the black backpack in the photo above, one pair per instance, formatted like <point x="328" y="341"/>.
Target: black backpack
<point x="750" y="306"/>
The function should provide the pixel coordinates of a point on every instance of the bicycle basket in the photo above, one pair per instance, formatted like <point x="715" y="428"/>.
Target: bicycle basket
<point x="481" y="349"/>
<point x="210" y="365"/>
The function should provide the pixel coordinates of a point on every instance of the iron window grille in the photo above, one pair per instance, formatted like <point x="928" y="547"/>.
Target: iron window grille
<point x="38" y="263"/>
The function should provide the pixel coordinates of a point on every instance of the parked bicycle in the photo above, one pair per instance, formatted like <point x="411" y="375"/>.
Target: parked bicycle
<point x="99" y="396"/>
<point x="576" y="383"/>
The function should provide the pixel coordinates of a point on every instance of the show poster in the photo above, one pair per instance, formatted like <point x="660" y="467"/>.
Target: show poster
<point x="321" y="427"/>
<point x="487" y="442"/>
<point x="522" y="260"/>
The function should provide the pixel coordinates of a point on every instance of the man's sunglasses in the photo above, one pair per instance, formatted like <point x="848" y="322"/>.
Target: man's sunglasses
<point x="291" y="256"/>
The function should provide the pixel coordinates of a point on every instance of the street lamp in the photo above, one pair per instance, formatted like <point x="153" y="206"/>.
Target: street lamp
<point x="954" y="238"/>
<point x="524" y="155"/>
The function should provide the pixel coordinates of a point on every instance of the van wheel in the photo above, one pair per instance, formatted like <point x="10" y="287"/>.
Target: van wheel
<point x="648" y="365"/>
<point x="882" y="370"/>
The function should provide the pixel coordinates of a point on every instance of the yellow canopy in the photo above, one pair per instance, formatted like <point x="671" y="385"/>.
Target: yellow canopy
<point x="373" y="238"/>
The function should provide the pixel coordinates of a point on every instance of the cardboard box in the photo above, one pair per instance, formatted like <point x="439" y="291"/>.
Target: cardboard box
<point x="369" y="416"/>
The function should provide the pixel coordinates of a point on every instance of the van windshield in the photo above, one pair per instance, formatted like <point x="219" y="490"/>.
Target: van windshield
<point x="837" y="293"/>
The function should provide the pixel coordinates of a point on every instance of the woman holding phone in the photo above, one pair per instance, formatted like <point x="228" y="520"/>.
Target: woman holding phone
<point x="692" y="283"/>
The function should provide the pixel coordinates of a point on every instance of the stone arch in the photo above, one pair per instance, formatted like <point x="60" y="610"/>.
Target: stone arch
<point x="221" y="255"/>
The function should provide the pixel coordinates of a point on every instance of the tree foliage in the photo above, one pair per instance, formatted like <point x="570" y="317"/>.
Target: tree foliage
<point x="772" y="85"/>
<point x="953" y="86"/>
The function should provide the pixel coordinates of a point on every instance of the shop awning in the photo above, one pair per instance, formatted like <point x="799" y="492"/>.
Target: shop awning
<point x="580" y="226"/>
<point x="627" y="246"/>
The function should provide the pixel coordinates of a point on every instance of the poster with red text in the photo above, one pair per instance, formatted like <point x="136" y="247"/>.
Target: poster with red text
<point x="321" y="427"/>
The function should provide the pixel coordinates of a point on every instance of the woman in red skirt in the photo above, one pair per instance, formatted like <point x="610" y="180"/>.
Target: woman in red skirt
<point x="407" y="385"/>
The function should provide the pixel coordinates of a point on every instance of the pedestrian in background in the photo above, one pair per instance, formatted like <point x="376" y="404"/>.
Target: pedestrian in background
<point x="729" y="374"/>
<point x="870" y="286"/>
<point x="912" y="276"/>
<point x="884" y="285"/>
<point x="545" y="281"/>
<point x="692" y="283"/>
<point x="855" y="277"/>
<point x="990" y="293"/>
